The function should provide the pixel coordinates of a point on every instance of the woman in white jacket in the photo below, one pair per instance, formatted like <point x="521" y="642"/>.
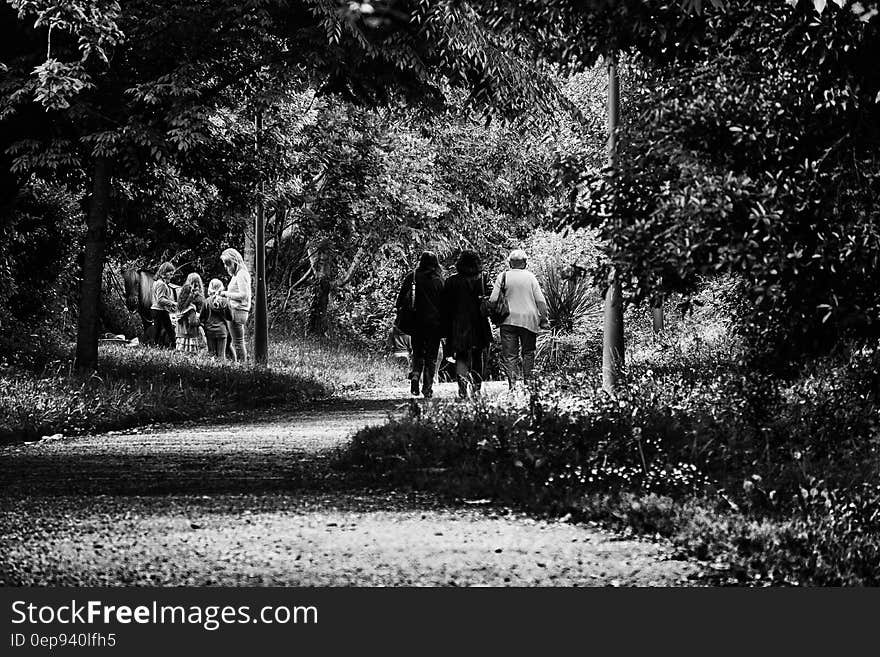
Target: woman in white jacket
<point x="528" y="315"/>
<point x="239" y="294"/>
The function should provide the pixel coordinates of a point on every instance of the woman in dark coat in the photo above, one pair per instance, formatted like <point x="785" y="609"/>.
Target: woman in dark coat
<point x="468" y="333"/>
<point x="424" y="322"/>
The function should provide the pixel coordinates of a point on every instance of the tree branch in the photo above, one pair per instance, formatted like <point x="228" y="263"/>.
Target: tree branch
<point x="352" y="268"/>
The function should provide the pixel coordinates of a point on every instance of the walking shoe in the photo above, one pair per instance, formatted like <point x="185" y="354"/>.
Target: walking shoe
<point x="414" y="385"/>
<point x="428" y="393"/>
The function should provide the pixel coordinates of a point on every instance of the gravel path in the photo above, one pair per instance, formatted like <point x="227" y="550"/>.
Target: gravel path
<point x="252" y="502"/>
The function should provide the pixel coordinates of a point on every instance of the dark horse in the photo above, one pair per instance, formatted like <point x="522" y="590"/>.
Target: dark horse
<point x="139" y="297"/>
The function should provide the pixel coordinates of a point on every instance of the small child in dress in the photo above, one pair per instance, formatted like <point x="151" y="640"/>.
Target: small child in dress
<point x="190" y="303"/>
<point x="215" y="316"/>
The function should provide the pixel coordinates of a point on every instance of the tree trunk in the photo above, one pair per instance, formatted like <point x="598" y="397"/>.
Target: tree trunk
<point x="93" y="268"/>
<point x="612" y="336"/>
<point x="323" y="265"/>
<point x="261" y="316"/>
<point x="250" y="252"/>
<point x="320" y="307"/>
<point x="658" y="319"/>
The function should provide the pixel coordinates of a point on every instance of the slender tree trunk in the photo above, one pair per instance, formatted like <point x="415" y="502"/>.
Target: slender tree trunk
<point x="280" y="220"/>
<point x="612" y="337"/>
<point x="250" y="252"/>
<point x="659" y="318"/>
<point x="93" y="268"/>
<point x="261" y="318"/>
<point x="320" y="308"/>
<point x="323" y="266"/>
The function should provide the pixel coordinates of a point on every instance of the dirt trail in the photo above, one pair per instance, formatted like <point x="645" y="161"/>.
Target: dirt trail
<point x="253" y="503"/>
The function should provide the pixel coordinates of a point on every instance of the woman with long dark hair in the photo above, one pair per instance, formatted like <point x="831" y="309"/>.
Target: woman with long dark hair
<point x="422" y="291"/>
<point x="468" y="333"/>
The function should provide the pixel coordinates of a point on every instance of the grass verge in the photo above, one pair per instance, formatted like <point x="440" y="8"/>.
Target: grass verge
<point x="770" y="482"/>
<point x="41" y="395"/>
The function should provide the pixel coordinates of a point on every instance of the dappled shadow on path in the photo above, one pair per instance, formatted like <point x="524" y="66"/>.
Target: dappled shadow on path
<point x="280" y="452"/>
<point x="257" y="502"/>
<point x="259" y="452"/>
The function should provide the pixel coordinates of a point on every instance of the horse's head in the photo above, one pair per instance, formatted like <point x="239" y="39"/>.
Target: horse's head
<point x="131" y="280"/>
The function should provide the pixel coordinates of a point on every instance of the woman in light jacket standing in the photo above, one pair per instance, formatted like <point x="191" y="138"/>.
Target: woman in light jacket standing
<point x="528" y="314"/>
<point x="239" y="294"/>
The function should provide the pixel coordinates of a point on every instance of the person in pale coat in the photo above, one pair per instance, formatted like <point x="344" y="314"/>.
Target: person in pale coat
<point x="528" y="315"/>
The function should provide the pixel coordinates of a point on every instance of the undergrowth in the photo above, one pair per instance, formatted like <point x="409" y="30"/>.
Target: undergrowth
<point x="772" y="481"/>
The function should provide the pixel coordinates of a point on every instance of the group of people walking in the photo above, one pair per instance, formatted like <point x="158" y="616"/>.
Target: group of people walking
<point x="431" y="309"/>
<point x="198" y="321"/>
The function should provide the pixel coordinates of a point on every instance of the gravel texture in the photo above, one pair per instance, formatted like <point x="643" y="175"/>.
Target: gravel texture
<point x="251" y="501"/>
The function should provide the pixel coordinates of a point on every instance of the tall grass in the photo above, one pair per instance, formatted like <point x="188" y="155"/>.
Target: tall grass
<point x="135" y="386"/>
<point x="335" y="365"/>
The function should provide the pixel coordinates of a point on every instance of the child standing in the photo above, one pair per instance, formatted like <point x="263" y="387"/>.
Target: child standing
<point x="215" y="318"/>
<point x="190" y="304"/>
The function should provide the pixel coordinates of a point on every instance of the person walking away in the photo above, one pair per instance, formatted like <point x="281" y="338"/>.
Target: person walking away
<point x="190" y="304"/>
<point x="467" y="331"/>
<point x="238" y="292"/>
<point x="163" y="305"/>
<point x="216" y="317"/>
<point x="528" y="315"/>
<point x="426" y="328"/>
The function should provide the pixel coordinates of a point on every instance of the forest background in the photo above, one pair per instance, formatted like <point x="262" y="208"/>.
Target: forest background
<point x="742" y="201"/>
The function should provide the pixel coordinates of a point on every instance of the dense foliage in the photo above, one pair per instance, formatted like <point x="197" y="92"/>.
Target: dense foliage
<point x="756" y="155"/>
<point x="747" y="158"/>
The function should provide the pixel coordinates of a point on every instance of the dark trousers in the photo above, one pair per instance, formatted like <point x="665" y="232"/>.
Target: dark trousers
<point x="518" y="351"/>
<point x="217" y="345"/>
<point x="165" y="334"/>
<point x="469" y="369"/>
<point x="425" y="348"/>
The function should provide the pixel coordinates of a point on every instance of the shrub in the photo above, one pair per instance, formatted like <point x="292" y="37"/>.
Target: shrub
<point x="38" y="253"/>
<point x="570" y="297"/>
<point x="777" y="481"/>
<point x="546" y="451"/>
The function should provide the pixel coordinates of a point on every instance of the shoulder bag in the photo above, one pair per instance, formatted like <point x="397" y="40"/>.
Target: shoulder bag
<point x="406" y="312"/>
<point x="497" y="312"/>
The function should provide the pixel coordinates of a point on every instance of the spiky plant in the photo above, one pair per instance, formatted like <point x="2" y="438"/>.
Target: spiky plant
<point x="571" y="302"/>
<point x="570" y="297"/>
